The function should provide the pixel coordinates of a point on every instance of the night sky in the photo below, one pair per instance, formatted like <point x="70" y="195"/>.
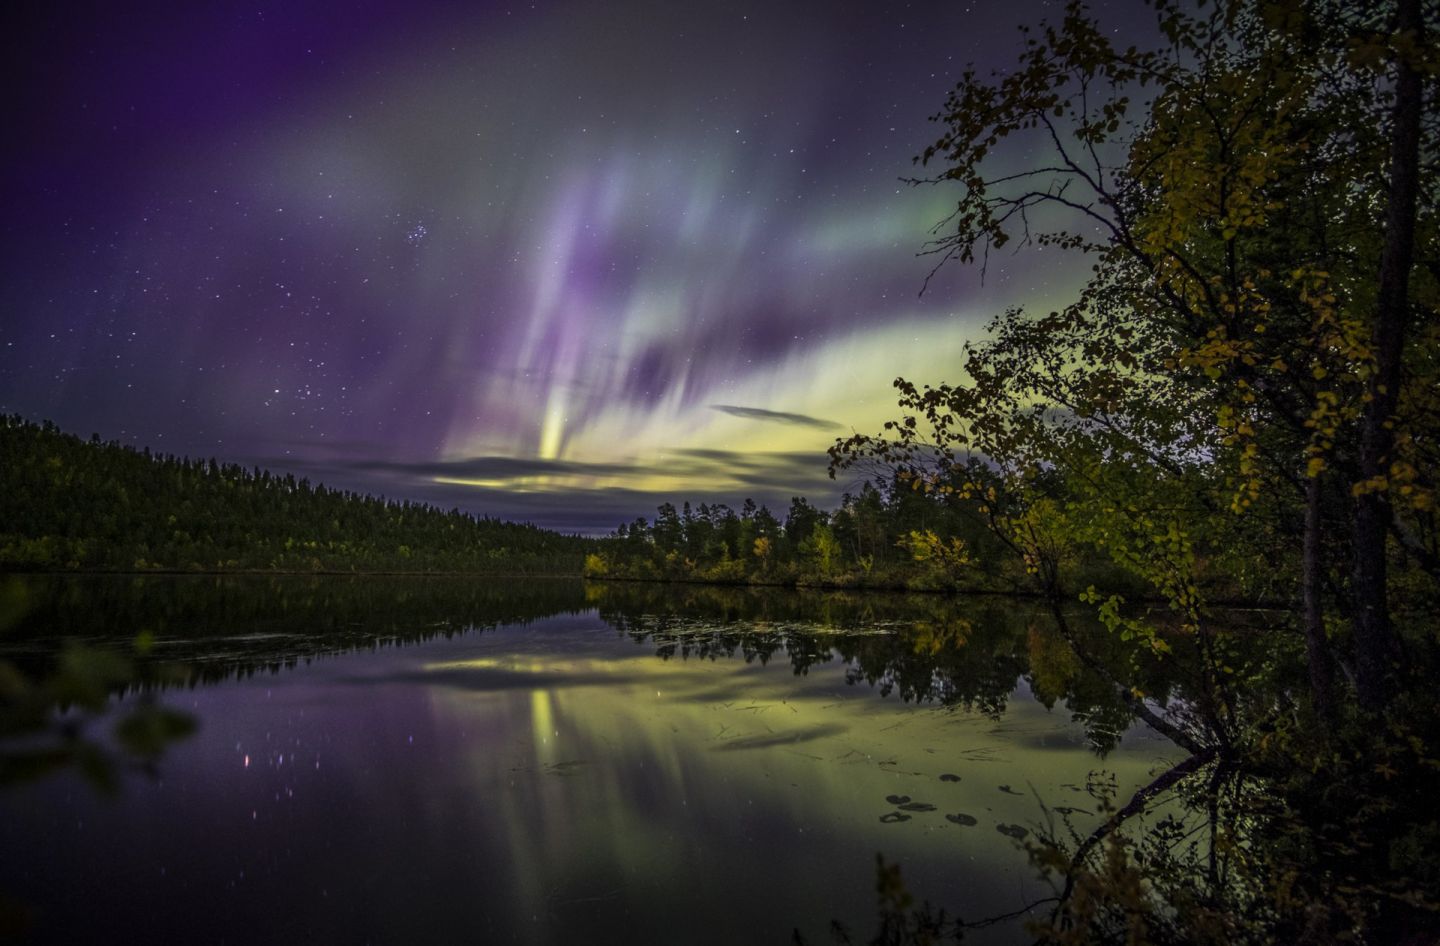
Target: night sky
<point x="555" y="262"/>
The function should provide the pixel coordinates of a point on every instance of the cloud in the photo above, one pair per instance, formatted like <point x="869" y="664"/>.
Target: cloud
<point x="482" y="679"/>
<point x="576" y="496"/>
<point x="768" y="467"/>
<point x="493" y="468"/>
<point x="787" y="738"/>
<point x="779" y="417"/>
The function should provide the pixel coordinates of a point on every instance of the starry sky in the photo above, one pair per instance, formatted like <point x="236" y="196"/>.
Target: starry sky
<point x="556" y="262"/>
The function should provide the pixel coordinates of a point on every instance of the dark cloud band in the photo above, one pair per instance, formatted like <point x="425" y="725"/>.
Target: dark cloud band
<point x="778" y="417"/>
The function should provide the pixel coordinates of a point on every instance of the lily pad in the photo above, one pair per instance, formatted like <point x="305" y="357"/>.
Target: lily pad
<point x="1066" y="810"/>
<point x="1010" y="791"/>
<point x="961" y="818"/>
<point x="565" y="768"/>
<point x="893" y="817"/>
<point x="949" y="777"/>
<point x="1013" y="830"/>
<point x="897" y="799"/>
<point x="917" y="806"/>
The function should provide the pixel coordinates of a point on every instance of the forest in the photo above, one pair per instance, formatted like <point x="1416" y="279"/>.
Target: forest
<point x="68" y="503"/>
<point x="889" y="534"/>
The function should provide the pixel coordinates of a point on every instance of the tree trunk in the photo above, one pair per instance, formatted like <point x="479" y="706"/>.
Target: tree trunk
<point x="1317" y="648"/>
<point x="1376" y="648"/>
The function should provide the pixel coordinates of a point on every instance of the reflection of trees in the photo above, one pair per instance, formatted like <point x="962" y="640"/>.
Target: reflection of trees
<point x="1283" y="832"/>
<point x="967" y="652"/>
<point x="215" y="628"/>
<point x="1262" y="833"/>
<point x="1194" y="866"/>
<point x="962" y="652"/>
<point x="1253" y="843"/>
<point x="975" y="668"/>
<point x="71" y="644"/>
<point x="1254" y="840"/>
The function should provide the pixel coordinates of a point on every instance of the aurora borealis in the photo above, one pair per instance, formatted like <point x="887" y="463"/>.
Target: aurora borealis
<point x="555" y="262"/>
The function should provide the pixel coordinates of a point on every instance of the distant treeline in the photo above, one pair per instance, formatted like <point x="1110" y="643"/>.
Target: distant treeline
<point x="75" y="504"/>
<point x="888" y="535"/>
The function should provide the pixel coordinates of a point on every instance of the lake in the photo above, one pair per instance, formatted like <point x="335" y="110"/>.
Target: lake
<point x="546" y="761"/>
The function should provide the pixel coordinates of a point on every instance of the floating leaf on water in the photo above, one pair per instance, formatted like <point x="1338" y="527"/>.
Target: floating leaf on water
<point x="893" y="817"/>
<point x="962" y="819"/>
<point x="1013" y="830"/>
<point x="949" y="777"/>
<point x="565" y="768"/>
<point x="1010" y="791"/>
<point x="917" y="806"/>
<point x="897" y="799"/>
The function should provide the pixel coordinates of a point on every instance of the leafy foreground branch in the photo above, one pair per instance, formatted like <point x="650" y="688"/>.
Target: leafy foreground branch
<point x="65" y="718"/>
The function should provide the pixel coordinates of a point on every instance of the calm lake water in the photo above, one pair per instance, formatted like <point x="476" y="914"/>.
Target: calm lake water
<point x="528" y="761"/>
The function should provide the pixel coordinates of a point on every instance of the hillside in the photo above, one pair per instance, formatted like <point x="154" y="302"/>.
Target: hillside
<point x="75" y="504"/>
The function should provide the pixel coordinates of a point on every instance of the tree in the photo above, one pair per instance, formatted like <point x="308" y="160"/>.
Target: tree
<point x="800" y="523"/>
<point x="669" y="531"/>
<point x="1244" y="399"/>
<point x="1379" y="459"/>
<point x="823" y="549"/>
<point x="1254" y="358"/>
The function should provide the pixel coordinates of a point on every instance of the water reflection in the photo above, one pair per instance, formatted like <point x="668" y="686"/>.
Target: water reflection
<point x="542" y="778"/>
<point x="966" y="653"/>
